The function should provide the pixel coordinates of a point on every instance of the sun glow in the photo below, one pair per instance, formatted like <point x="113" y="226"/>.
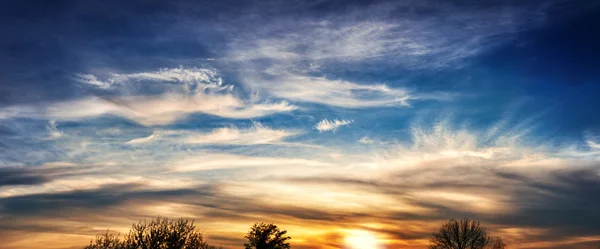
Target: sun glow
<point x="360" y="239"/>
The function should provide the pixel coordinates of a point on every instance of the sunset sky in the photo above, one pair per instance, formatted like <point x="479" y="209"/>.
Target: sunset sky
<point x="350" y="124"/>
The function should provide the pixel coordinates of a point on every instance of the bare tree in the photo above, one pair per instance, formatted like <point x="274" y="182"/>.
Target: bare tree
<point x="158" y="233"/>
<point x="463" y="234"/>
<point x="266" y="236"/>
<point x="496" y="243"/>
<point x="106" y="241"/>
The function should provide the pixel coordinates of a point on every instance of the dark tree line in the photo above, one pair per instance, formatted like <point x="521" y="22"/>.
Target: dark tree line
<point x="162" y="233"/>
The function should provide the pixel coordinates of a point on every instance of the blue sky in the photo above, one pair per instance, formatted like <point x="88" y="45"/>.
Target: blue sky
<point x="335" y="116"/>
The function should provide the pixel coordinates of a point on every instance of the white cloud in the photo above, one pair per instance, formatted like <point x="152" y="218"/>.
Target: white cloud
<point x="225" y="161"/>
<point x="163" y="109"/>
<point x="331" y="125"/>
<point x="409" y="40"/>
<point x="368" y="140"/>
<point x="92" y="80"/>
<point x="333" y="92"/>
<point x="89" y="182"/>
<point x="144" y="139"/>
<point x="53" y="130"/>
<point x="192" y="79"/>
<point x="258" y="134"/>
<point x="202" y="92"/>
<point x="593" y="144"/>
<point x="442" y="145"/>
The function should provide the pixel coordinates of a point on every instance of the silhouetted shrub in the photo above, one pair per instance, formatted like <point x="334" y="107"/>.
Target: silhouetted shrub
<point x="106" y="241"/>
<point x="496" y="243"/>
<point x="266" y="236"/>
<point x="464" y="234"/>
<point x="160" y="233"/>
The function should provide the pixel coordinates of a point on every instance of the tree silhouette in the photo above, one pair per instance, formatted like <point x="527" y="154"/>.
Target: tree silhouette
<point x="160" y="233"/>
<point x="463" y="234"/>
<point x="266" y="236"/>
<point x="496" y="243"/>
<point x="106" y="241"/>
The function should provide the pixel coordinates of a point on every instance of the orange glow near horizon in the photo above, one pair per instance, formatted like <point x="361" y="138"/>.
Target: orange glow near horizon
<point x="361" y="239"/>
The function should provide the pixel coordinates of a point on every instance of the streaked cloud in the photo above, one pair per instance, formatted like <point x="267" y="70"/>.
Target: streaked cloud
<point x="201" y="92"/>
<point x="409" y="40"/>
<point x="332" y="92"/>
<point x="368" y="140"/>
<point x="331" y="125"/>
<point x="143" y="139"/>
<point x="151" y="110"/>
<point x="225" y="161"/>
<point x="192" y="79"/>
<point x="257" y="134"/>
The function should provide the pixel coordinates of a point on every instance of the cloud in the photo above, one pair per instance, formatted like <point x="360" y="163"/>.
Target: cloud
<point x="21" y="176"/>
<point x="368" y="140"/>
<point x="144" y="139"/>
<point x="410" y="202"/>
<point x="304" y="60"/>
<point x="92" y="81"/>
<point x="332" y="92"/>
<point x="394" y="33"/>
<point x="192" y="79"/>
<point x="257" y="134"/>
<point x="224" y="161"/>
<point x="195" y="96"/>
<point x="164" y="109"/>
<point x="593" y="144"/>
<point x="327" y="125"/>
<point x="54" y="132"/>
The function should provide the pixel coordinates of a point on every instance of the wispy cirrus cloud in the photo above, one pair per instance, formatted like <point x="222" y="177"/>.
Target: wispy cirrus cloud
<point x="188" y="79"/>
<point x="199" y="92"/>
<point x="144" y="139"/>
<point x="449" y="34"/>
<point x="331" y="125"/>
<point x="339" y="93"/>
<point x="257" y="134"/>
<point x="286" y="60"/>
<point x="225" y="161"/>
<point x="370" y="141"/>
<point x="150" y="110"/>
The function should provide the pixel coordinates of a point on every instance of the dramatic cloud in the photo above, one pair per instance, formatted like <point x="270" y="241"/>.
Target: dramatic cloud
<point x="343" y="122"/>
<point x="20" y="176"/>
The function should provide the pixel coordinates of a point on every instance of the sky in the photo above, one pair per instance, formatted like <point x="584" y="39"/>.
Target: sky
<point x="339" y="121"/>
